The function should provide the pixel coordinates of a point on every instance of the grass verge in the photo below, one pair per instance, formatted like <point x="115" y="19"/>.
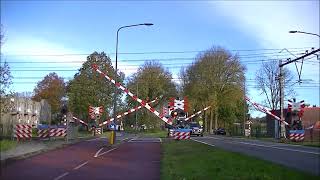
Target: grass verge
<point x="7" y="144"/>
<point x="155" y="134"/>
<point x="191" y="160"/>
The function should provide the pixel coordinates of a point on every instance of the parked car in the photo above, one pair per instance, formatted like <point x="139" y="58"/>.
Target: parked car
<point x="220" y="131"/>
<point x="196" y="129"/>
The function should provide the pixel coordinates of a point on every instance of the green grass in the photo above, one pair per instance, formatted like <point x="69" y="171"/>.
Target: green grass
<point x="7" y="144"/>
<point x="84" y="134"/>
<point x="191" y="160"/>
<point x="157" y="134"/>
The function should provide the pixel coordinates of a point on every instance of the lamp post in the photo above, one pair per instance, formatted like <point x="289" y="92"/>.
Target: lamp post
<point x="304" y="33"/>
<point x="115" y="78"/>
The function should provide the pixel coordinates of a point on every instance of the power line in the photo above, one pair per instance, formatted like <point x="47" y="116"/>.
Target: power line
<point x="156" y="52"/>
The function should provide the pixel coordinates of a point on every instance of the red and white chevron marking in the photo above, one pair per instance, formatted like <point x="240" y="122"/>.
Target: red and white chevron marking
<point x="197" y="113"/>
<point x="22" y="131"/>
<point x="59" y="132"/>
<point x="296" y="137"/>
<point x="82" y="122"/>
<point x="43" y="133"/>
<point x="143" y="103"/>
<point x="181" y="135"/>
<point x="125" y="113"/>
<point x="263" y="109"/>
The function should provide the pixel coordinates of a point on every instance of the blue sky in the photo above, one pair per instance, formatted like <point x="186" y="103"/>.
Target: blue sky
<point x="55" y="28"/>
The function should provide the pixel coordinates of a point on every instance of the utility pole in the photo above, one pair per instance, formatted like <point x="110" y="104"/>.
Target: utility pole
<point x="281" y="84"/>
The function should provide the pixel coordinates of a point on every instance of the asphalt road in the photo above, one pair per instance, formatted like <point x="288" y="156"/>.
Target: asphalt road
<point x="294" y="156"/>
<point x="91" y="159"/>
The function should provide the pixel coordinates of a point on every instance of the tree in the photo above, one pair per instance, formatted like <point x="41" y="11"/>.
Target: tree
<point x="52" y="88"/>
<point x="5" y="80"/>
<point x="267" y="83"/>
<point x="89" y="88"/>
<point x="215" y="79"/>
<point x="149" y="82"/>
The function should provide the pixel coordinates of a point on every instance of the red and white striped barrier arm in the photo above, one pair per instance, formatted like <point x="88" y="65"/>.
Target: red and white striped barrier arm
<point x="197" y="113"/>
<point x="82" y="122"/>
<point x="125" y="113"/>
<point x="263" y="109"/>
<point x="142" y="102"/>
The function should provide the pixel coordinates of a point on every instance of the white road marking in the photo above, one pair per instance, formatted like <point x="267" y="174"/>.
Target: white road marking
<point x="78" y="167"/>
<point x="97" y="153"/>
<point x="93" y="139"/>
<point x="61" y="176"/>
<point x="272" y="146"/>
<point x="203" y="142"/>
<point x="144" y="141"/>
<point x="107" y="152"/>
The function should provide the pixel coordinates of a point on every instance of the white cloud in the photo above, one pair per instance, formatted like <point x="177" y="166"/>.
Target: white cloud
<point x="270" y="21"/>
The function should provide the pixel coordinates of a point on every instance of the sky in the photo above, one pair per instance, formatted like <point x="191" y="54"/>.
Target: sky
<point x="60" y="35"/>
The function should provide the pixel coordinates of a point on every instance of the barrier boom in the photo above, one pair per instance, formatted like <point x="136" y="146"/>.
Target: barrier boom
<point x="263" y="109"/>
<point x="125" y="113"/>
<point x="82" y="122"/>
<point x="197" y="113"/>
<point x="143" y="103"/>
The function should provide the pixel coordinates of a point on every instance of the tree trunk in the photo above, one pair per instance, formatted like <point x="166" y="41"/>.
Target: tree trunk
<point x="205" y="121"/>
<point x="216" y="118"/>
<point x="211" y="122"/>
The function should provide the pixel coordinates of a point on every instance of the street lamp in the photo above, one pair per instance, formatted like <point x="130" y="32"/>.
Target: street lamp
<point x="115" y="79"/>
<point x="304" y="33"/>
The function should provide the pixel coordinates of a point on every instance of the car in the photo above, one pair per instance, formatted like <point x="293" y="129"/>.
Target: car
<point x="220" y="131"/>
<point x="196" y="129"/>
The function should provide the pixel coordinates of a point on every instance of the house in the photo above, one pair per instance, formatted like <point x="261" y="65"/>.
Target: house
<point x="23" y="110"/>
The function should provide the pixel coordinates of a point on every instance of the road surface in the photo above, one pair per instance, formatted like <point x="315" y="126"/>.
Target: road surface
<point x="136" y="159"/>
<point x="294" y="156"/>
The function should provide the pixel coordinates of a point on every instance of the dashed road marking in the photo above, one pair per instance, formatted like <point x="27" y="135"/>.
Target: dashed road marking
<point x="97" y="153"/>
<point x="203" y="142"/>
<point x="106" y="152"/>
<point x="78" y="167"/>
<point x="61" y="176"/>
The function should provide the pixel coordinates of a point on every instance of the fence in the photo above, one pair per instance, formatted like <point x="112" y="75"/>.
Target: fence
<point x="257" y="130"/>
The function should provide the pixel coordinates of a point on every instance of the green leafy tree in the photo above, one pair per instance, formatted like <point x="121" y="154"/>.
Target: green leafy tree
<point x="5" y="80"/>
<point x="216" y="79"/>
<point x="149" y="82"/>
<point x="88" y="88"/>
<point x="51" y="88"/>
